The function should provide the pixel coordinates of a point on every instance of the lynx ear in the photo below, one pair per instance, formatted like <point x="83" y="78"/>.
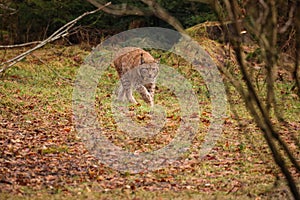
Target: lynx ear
<point x="142" y="59"/>
<point x="157" y="60"/>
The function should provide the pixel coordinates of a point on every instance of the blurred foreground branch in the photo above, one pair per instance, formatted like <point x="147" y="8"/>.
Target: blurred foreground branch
<point x="263" y="24"/>
<point x="296" y="72"/>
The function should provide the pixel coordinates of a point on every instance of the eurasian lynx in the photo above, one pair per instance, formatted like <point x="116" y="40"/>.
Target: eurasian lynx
<point x="137" y="70"/>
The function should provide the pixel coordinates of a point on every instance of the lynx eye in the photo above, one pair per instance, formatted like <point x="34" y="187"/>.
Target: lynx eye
<point x="144" y="70"/>
<point x="154" y="70"/>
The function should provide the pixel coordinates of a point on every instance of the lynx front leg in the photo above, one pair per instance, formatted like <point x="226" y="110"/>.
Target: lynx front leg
<point x="126" y="85"/>
<point x="145" y="94"/>
<point x="129" y="96"/>
<point x="151" y="88"/>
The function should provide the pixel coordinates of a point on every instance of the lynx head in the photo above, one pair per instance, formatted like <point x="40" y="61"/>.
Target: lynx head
<point x="148" y="71"/>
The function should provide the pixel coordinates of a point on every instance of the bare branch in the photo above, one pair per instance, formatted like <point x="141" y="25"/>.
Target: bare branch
<point x="163" y="14"/>
<point x="11" y="10"/>
<point x="123" y="9"/>
<point x="19" y="45"/>
<point x="154" y="9"/>
<point x="55" y="72"/>
<point x="202" y="1"/>
<point x="61" y="32"/>
<point x="290" y="20"/>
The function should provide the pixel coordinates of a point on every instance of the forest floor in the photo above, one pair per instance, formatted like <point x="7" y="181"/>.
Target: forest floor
<point x="41" y="155"/>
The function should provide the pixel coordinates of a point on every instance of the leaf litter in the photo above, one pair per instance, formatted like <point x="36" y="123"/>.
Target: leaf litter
<point x="39" y="148"/>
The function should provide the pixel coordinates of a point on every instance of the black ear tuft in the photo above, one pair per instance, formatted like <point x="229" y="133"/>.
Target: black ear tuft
<point x="142" y="59"/>
<point x="157" y="60"/>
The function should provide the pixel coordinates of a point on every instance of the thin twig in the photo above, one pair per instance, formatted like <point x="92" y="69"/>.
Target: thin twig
<point x="55" y="72"/>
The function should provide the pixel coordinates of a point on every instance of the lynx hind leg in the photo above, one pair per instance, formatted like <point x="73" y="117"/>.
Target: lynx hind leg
<point x="121" y="94"/>
<point x="147" y="97"/>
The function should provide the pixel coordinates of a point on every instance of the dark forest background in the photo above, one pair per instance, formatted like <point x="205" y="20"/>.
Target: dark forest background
<point x="28" y="20"/>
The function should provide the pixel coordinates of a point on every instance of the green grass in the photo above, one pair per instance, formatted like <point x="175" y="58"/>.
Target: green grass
<point x="124" y="194"/>
<point x="51" y="150"/>
<point x="36" y="117"/>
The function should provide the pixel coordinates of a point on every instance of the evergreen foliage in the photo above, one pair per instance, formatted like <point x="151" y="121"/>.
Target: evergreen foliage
<point x="37" y="19"/>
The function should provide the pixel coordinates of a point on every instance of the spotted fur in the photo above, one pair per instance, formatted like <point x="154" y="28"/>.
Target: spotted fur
<point x="137" y="70"/>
